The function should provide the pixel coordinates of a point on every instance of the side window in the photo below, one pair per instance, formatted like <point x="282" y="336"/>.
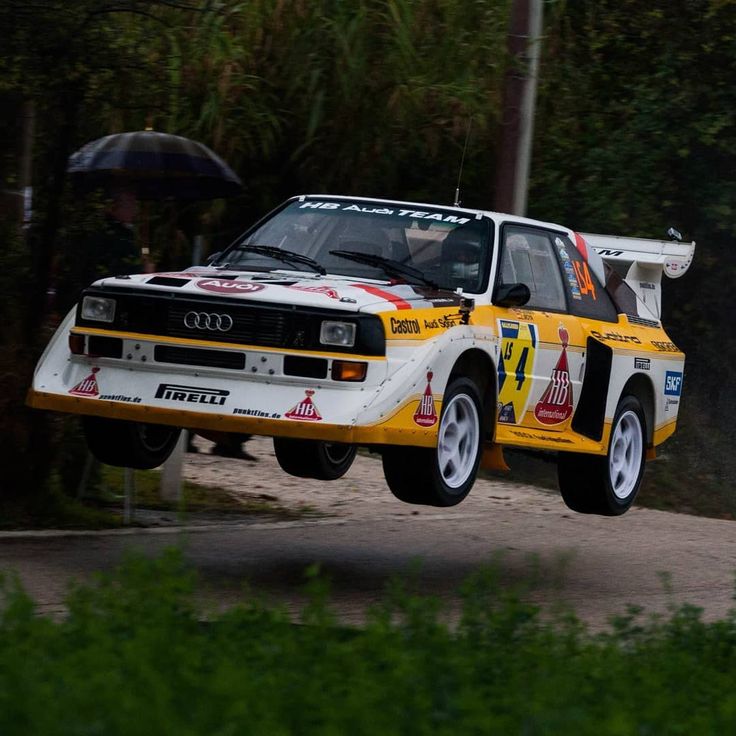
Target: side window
<point x="528" y="258"/>
<point x="588" y="298"/>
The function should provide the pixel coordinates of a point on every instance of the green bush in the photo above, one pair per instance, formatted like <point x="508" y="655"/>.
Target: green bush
<point x="134" y="655"/>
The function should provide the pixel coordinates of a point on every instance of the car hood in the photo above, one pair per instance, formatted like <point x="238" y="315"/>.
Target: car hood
<point x="329" y="292"/>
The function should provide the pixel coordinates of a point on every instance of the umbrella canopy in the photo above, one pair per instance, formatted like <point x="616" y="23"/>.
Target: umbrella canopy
<point x="156" y="165"/>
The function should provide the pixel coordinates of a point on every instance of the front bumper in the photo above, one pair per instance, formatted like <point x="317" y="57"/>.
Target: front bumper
<point x="260" y="399"/>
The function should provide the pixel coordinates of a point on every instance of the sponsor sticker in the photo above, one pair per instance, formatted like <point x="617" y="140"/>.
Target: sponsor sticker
<point x="561" y="249"/>
<point x="543" y="437"/>
<point x="121" y="397"/>
<point x="444" y="322"/>
<point x="665" y="347"/>
<point x="87" y="386"/>
<point x="516" y="362"/>
<point x="256" y="413"/>
<point x="305" y="410"/>
<point x="555" y="406"/>
<point x="572" y="279"/>
<point x="642" y="364"/>
<point x="405" y="326"/>
<point x="191" y="394"/>
<point x="222" y="286"/>
<point x="395" y="211"/>
<point x="615" y="337"/>
<point x="324" y="290"/>
<point x="672" y="383"/>
<point x="522" y="314"/>
<point x="674" y="268"/>
<point x="426" y="413"/>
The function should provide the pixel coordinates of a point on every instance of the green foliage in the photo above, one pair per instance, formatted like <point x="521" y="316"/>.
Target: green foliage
<point x="134" y="655"/>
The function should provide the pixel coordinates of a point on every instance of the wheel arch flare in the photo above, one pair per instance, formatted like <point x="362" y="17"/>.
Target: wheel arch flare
<point x="641" y="387"/>
<point x="478" y="366"/>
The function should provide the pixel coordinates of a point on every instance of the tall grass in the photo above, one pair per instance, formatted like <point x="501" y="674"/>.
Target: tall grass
<point x="134" y="656"/>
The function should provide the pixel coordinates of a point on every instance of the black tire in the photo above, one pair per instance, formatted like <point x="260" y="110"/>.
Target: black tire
<point x="314" y="458"/>
<point x="591" y="484"/>
<point x="129" y="444"/>
<point x="415" y="475"/>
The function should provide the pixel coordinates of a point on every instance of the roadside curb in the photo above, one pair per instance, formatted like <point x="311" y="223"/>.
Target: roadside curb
<point x="203" y="528"/>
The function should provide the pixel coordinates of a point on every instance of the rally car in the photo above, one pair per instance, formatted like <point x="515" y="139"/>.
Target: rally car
<point x="434" y="335"/>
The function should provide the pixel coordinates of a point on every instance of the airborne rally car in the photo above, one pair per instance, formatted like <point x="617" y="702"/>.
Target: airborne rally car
<point x="435" y="335"/>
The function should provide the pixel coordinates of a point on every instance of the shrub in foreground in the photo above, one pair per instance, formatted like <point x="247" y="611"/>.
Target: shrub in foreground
<point x="135" y="656"/>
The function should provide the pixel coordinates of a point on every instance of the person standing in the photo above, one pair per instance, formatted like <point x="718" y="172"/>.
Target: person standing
<point x="110" y="250"/>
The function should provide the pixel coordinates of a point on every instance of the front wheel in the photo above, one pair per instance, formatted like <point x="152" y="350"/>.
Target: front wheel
<point x="314" y="458"/>
<point x="608" y="485"/>
<point x="441" y="476"/>
<point x="129" y="444"/>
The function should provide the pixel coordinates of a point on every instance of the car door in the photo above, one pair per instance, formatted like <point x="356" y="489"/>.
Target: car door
<point x="541" y="351"/>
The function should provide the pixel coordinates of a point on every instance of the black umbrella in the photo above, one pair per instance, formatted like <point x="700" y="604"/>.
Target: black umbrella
<point x="156" y="165"/>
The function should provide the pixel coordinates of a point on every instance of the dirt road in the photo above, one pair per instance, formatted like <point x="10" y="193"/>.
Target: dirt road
<point x="362" y="537"/>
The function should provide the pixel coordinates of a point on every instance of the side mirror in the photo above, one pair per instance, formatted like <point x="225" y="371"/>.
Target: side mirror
<point x="211" y="259"/>
<point x="512" y="295"/>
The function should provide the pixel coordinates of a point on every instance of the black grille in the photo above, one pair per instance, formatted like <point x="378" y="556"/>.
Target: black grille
<point x="256" y="327"/>
<point x="635" y="320"/>
<point x="201" y="357"/>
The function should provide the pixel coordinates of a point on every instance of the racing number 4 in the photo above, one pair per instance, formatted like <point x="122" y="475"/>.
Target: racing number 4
<point x="519" y="370"/>
<point x="520" y="364"/>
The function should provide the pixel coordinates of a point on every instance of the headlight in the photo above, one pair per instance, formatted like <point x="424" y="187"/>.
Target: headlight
<point x="337" y="333"/>
<point x="98" y="309"/>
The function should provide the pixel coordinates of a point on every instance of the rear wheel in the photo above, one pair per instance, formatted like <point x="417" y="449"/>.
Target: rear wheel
<point x="314" y="458"/>
<point x="608" y="485"/>
<point x="441" y="476"/>
<point x="129" y="444"/>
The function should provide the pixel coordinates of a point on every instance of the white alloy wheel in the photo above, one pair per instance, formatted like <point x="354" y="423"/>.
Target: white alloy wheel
<point x="337" y="452"/>
<point x="458" y="440"/>
<point x="441" y="475"/>
<point x="625" y="455"/>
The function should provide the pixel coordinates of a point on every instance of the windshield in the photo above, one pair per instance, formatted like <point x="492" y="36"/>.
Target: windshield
<point x="447" y="247"/>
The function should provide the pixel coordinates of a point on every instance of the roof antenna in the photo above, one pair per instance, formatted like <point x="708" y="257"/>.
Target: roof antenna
<point x="462" y="162"/>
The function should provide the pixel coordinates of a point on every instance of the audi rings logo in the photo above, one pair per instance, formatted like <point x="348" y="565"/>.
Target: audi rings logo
<point x="208" y="321"/>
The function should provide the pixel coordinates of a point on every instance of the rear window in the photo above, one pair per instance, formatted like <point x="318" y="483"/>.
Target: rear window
<point x="586" y="296"/>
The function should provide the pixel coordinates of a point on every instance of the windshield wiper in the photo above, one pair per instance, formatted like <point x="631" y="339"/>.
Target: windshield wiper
<point x="279" y="254"/>
<point x="387" y="265"/>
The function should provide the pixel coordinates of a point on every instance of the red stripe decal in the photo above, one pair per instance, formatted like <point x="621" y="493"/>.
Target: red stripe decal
<point x="582" y="246"/>
<point x="388" y="296"/>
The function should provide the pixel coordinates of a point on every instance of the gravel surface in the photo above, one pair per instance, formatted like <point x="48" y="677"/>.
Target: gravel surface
<point x="361" y="494"/>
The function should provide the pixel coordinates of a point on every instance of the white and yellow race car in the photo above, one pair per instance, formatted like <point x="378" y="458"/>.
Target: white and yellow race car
<point x="434" y="335"/>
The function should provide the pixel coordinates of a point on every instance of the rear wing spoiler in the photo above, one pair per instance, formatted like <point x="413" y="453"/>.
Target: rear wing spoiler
<point x="645" y="261"/>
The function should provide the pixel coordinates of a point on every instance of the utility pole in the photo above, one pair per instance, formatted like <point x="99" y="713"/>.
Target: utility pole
<point x="25" y="178"/>
<point x="519" y="101"/>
